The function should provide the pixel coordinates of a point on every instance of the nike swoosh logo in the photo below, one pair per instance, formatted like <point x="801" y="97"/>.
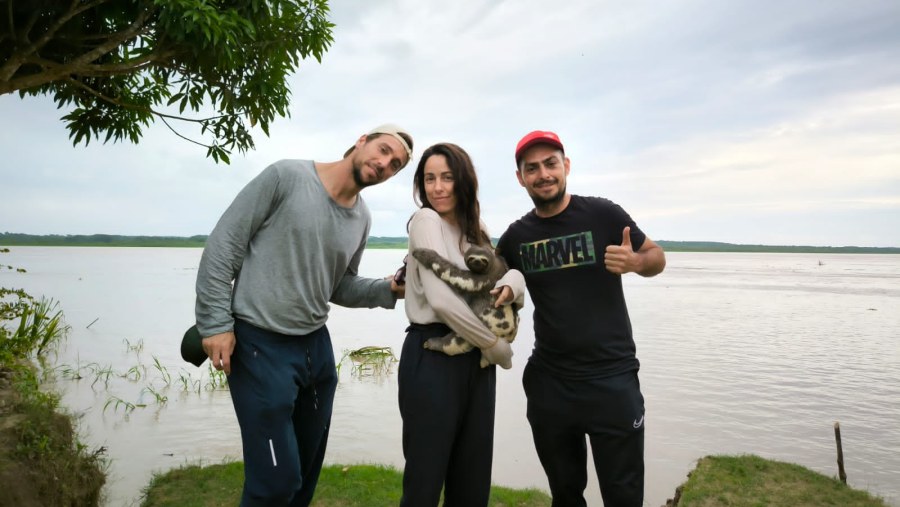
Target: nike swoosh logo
<point x="638" y="422"/>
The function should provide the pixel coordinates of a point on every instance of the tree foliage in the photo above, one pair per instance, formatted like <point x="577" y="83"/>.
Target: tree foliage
<point x="122" y="64"/>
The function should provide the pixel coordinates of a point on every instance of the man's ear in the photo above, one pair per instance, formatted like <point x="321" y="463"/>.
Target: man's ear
<point x="519" y="177"/>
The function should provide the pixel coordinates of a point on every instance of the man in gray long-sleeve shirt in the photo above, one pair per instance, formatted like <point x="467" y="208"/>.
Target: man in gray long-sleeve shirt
<point x="289" y="244"/>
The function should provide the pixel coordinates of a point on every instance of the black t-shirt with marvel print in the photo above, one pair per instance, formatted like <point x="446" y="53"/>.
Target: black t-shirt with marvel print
<point x="581" y="323"/>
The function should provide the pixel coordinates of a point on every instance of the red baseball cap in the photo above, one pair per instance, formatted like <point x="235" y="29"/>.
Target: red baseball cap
<point x="537" y="137"/>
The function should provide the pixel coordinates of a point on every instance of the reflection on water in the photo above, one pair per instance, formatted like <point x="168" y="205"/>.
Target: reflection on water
<point x="740" y="353"/>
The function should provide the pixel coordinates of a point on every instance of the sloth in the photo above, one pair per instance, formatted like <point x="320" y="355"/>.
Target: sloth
<point x="474" y="286"/>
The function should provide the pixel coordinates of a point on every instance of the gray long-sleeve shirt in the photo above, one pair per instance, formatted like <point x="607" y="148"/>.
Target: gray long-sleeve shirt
<point x="290" y="249"/>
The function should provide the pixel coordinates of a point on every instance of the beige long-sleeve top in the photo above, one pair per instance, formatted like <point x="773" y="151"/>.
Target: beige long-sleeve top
<point x="430" y="300"/>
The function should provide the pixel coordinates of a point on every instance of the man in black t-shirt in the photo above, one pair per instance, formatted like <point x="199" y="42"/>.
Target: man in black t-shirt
<point x="581" y="378"/>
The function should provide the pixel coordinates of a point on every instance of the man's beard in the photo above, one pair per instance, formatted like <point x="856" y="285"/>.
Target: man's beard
<point x="548" y="203"/>
<point x="357" y="176"/>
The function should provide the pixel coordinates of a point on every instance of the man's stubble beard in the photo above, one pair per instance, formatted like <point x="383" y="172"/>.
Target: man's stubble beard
<point x="357" y="176"/>
<point x="548" y="203"/>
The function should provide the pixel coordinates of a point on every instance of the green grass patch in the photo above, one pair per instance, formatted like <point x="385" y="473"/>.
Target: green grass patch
<point x="42" y="461"/>
<point x="751" y="481"/>
<point x="339" y="486"/>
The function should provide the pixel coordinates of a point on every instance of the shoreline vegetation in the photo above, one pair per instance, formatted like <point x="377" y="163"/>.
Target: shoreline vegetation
<point x="42" y="460"/>
<point x="716" y="481"/>
<point x="8" y="239"/>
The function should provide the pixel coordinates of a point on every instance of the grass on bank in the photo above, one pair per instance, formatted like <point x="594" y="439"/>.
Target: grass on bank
<point x="739" y="481"/>
<point x="717" y="481"/>
<point x="42" y="461"/>
<point x="339" y="486"/>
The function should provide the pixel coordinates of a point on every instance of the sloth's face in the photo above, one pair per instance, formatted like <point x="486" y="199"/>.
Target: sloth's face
<point x="478" y="263"/>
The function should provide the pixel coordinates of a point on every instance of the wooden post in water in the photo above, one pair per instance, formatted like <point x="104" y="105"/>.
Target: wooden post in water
<point x="840" y="452"/>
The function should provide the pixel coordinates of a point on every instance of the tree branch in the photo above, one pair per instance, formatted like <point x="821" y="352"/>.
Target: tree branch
<point x="9" y="12"/>
<point x="47" y="36"/>
<point x="29" y="25"/>
<point x="19" y="58"/>
<point x="115" y="40"/>
<point x="181" y="136"/>
<point x="103" y="70"/>
<point x="161" y="115"/>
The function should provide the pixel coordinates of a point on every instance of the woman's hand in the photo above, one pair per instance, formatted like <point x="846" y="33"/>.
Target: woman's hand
<point x="502" y="296"/>
<point x="500" y="353"/>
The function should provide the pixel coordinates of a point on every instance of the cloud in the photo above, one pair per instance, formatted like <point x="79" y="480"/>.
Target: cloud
<point x="842" y="157"/>
<point x="742" y="121"/>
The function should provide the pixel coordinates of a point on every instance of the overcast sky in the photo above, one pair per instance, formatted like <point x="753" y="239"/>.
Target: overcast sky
<point x="758" y="121"/>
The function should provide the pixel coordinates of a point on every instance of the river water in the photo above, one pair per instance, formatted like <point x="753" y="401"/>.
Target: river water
<point x="740" y="353"/>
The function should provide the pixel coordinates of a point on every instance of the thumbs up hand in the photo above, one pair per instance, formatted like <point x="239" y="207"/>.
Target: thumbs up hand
<point x="621" y="259"/>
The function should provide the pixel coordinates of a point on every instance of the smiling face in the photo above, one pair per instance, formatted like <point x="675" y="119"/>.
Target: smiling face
<point x="439" y="187"/>
<point x="377" y="158"/>
<point x="543" y="172"/>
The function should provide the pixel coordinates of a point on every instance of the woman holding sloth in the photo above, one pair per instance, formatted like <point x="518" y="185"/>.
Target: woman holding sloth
<point x="447" y="401"/>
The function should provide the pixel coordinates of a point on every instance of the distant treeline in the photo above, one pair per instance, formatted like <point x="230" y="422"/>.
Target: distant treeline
<point x="12" y="239"/>
<point x="713" y="246"/>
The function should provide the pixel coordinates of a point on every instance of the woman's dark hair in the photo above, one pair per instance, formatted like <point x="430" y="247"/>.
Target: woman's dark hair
<point x="465" y="188"/>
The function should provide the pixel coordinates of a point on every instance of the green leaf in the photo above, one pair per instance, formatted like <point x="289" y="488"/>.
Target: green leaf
<point x="231" y="57"/>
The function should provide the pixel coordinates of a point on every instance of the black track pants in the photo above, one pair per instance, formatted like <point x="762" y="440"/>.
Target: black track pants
<point x="447" y="405"/>
<point x="283" y="389"/>
<point x="610" y="412"/>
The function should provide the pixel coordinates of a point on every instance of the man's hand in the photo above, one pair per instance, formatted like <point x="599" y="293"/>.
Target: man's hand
<point x="502" y="295"/>
<point x="621" y="259"/>
<point x="219" y="348"/>
<point x="399" y="290"/>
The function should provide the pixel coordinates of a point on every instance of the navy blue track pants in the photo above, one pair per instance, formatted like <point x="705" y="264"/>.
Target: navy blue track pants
<point x="447" y="406"/>
<point x="283" y="389"/>
<point x="610" y="411"/>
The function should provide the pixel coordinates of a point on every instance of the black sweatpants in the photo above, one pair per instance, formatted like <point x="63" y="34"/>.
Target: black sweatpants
<point x="283" y="389"/>
<point x="447" y="406"/>
<point x="610" y="411"/>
